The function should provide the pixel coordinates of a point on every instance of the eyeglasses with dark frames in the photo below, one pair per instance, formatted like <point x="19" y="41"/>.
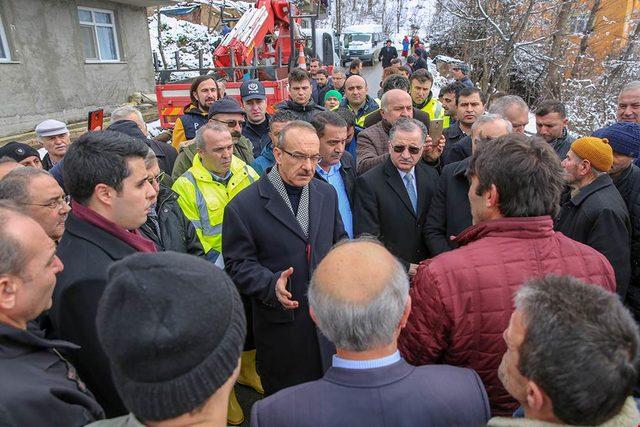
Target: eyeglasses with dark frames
<point x="303" y="157"/>
<point x="399" y="148"/>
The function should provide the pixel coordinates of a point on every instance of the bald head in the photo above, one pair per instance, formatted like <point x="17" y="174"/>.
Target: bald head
<point x="358" y="295"/>
<point x="394" y="104"/>
<point x="355" y="89"/>
<point x="346" y="264"/>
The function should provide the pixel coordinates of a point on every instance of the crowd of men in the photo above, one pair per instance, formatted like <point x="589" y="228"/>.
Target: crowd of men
<point x="331" y="255"/>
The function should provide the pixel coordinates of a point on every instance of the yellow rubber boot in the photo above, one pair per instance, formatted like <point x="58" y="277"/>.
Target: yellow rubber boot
<point x="235" y="416"/>
<point x="248" y="374"/>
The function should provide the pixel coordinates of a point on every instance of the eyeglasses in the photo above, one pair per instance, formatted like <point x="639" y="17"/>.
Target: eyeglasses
<point x="303" y="157"/>
<point x="157" y="179"/>
<point x="231" y="123"/>
<point x="54" y="204"/>
<point x="400" y="149"/>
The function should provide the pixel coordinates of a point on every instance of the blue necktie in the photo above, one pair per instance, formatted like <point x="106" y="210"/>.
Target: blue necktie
<point x="408" y="182"/>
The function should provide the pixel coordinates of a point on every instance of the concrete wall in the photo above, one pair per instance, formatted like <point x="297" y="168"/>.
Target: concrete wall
<point x="48" y="76"/>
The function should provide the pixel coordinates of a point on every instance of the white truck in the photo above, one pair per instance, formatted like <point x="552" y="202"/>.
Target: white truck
<point x="362" y="41"/>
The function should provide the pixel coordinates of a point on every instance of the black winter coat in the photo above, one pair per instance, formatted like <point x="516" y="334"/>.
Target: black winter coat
<point x="87" y="253"/>
<point x="597" y="216"/>
<point x="383" y="209"/>
<point x="453" y="134"/>
<point x="177" y="233"/>
<point x="450" y="211"/>
<point x="386" y="55"/>
<point x="628" y="184"/>
<point x="38" y="388"/>
<point x="256" y="133"/>
<point x="302" y="112"/>
<point x="459" y="151"/>
<point x="562" y="145"/>
<point x="260" y="239"/>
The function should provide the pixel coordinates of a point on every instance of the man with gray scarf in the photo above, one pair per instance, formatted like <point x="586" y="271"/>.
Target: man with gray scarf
<point x="274" y="234"/>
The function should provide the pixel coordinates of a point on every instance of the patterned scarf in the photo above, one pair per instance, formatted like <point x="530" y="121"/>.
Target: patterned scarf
<point x="303" y="209"/>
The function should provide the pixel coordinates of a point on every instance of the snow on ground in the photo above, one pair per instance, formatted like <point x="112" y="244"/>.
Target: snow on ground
<point x="185" y="37"/>
<point x="154" y="128"/>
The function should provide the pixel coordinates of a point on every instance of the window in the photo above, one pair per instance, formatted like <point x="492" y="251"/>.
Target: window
<point x="98" y="32"/>
<point x="4" y="46"/>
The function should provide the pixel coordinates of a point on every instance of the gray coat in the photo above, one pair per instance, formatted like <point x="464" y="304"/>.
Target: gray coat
<point x="394" y="395"/>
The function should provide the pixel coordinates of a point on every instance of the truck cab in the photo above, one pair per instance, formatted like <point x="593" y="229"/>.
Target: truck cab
<point x="362" y="41"/>
<point x="326" y="45"/>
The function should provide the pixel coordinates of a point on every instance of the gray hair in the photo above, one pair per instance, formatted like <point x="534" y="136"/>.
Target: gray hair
<point x="490" y="118"/>
<point x="123" y="113"/>
<point x="406" y="124"/>
<point x="502" y="104"/>
<point x="339" y="71"/>
<point x="296" y="124"/>
<point x="364" y="325"/>
<point x="384" y="101"/>
<point x="199" y="139"/>
<point x="633" y="85"/>
<point x="12" y="257"/>
<point x="150" y="159"/>
<point x="581" y="346"/>
<point x="15" y="185"/>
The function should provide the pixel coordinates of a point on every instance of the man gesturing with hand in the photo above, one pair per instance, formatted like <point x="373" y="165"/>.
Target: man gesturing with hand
<point x="283" y="295"/>
<point x="274" y="234"/>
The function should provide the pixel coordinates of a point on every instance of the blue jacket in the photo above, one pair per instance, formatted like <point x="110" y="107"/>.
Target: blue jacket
<point x="370" y="105"/>
<point x="394" y="395"/>
<point x="265" y="160"/>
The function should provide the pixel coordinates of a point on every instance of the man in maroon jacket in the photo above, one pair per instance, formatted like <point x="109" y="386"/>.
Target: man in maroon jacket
<point x="462" y="299"/>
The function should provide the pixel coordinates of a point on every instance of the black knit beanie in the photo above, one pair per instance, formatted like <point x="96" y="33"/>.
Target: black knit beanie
<point x="173" y="327"/>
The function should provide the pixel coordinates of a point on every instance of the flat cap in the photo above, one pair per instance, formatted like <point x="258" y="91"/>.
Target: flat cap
<point x="51" y="127"/>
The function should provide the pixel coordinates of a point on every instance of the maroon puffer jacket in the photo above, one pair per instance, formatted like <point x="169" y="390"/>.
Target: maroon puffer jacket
<point x="462" y="300"/>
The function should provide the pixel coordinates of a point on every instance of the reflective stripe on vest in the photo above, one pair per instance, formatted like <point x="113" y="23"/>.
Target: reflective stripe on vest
<point x="246" y="169"/>
<point x="438" y="112"/>
<point x="203" y="223"/>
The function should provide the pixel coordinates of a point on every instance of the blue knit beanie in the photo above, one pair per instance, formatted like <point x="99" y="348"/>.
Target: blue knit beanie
<point x="624" y="138"/>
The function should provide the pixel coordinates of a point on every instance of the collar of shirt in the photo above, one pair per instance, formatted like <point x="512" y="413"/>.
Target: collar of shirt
<point x="412" y="172"/>
<point x="221" y="179"/>
<point x="338" y="362"/>
<point x="332" y="170"/>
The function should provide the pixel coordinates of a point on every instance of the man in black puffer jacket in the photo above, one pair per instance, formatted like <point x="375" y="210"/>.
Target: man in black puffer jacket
<point x="300" y="90"/>
<point x="166" y="225"/>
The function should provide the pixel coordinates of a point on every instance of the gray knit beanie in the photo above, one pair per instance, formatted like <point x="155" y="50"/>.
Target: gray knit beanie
<point x="173" y="327"/>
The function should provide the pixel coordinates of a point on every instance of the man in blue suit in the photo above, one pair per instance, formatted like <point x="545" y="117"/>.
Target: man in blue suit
<point x="359" y="298"/>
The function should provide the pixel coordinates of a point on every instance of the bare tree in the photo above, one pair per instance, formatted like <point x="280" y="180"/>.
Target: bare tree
<point x="552" y="86"/>
<point x="160" y="47"/>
